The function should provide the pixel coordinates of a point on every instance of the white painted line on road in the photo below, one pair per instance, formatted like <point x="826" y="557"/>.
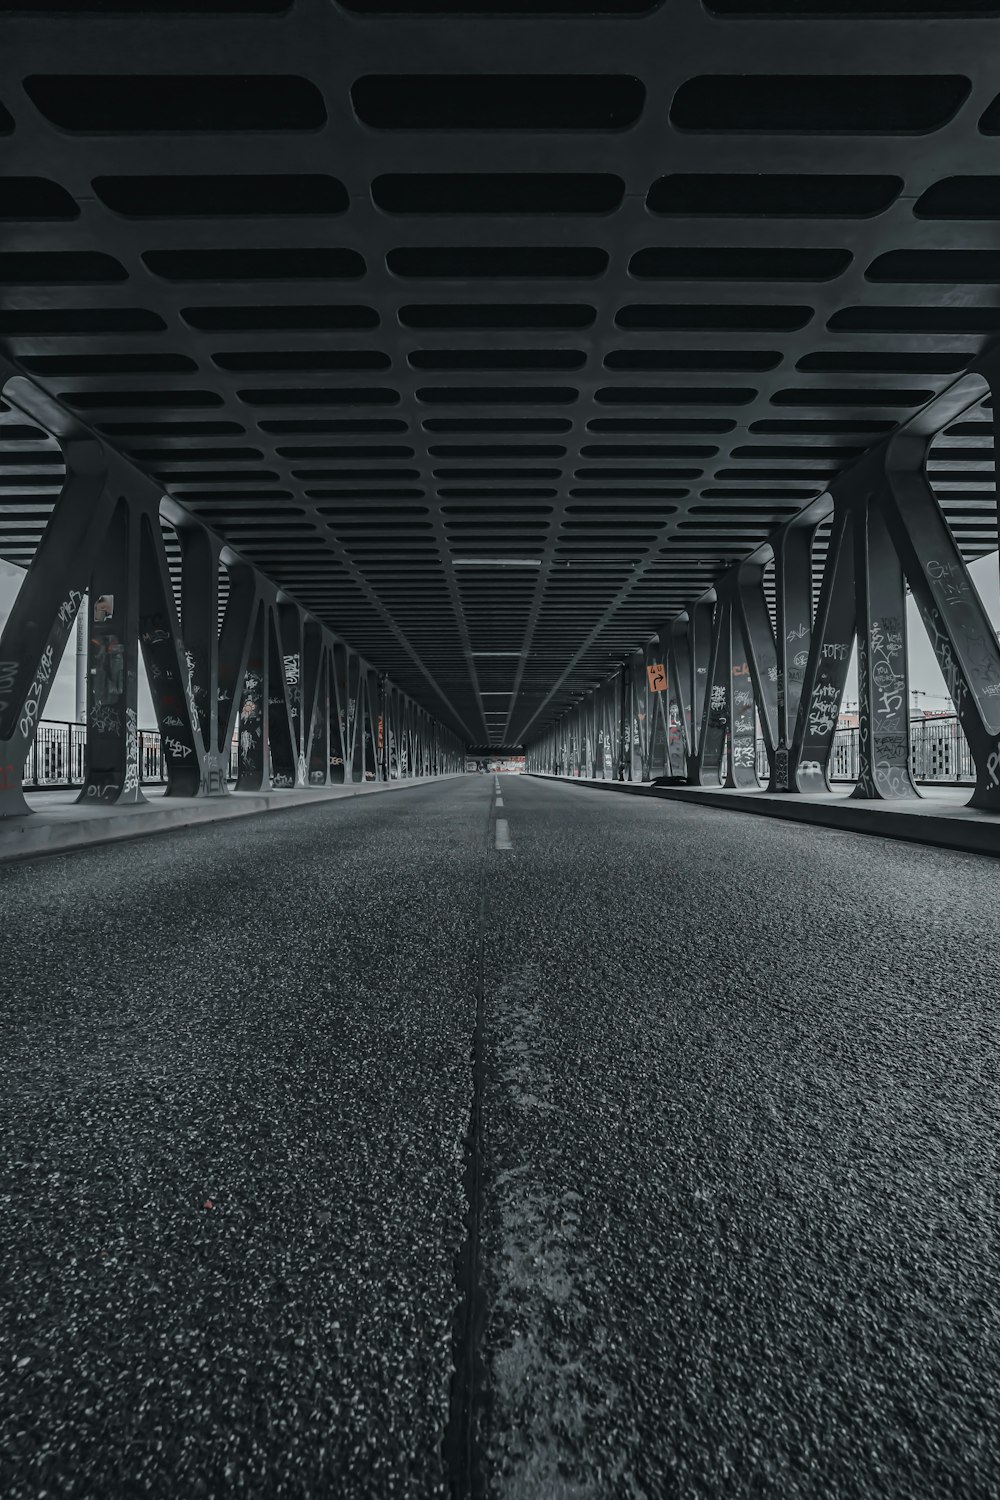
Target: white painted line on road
<point x="499" y="800"/>
<point x="503" y="835"/>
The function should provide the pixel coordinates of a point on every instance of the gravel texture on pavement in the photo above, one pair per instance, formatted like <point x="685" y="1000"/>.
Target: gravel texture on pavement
<point x="739" y="1186"/>
<point x="742" y="1159"/>
<point x="234" y="1090"/>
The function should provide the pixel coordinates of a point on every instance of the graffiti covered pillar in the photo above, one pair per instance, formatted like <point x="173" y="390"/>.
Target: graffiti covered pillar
<point x="679" y="721"/>
<point x="113" y="666"/>
<point x="883" y="678"/>
<point x="793" y="601"/>
<point x="254" y="773"/>
<point x="700" y="638"/>
<point x="44" y="612"/>
<point x="234" y="648"/>
<point x="316" y="705"/>
<point x="829" y="658"/>
<point x="290" y="623"/>
<point x="761" y="657"/>
<point x="181" y="708"/>
<point x="715" y="701"/>
<point x="957" y="623"/>
<point x="741" y="759"/>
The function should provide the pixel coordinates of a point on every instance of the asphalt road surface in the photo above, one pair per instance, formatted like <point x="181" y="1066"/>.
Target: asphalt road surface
<point x="673" y="1132"/>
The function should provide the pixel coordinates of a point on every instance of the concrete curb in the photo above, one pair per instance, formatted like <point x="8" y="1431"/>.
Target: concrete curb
<point x="54" y="831"/>
<point x="969" y="833"/>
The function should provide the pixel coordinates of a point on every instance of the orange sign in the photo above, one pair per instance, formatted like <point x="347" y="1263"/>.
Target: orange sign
<point x="657" y="675"/>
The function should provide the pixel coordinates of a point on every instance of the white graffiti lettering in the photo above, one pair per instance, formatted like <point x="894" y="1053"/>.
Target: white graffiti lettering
<point x="69" y="607"/>
<point x="131" y="783"/>
<point x="36" y="692"/>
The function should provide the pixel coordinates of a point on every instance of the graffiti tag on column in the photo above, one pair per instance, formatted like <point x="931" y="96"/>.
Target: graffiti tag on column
<point x="250" y="715"/>
<point x="824" y="708"/>
<point x="104" y="719"/>
<point x="833" y="651"/>
<point x="177" y="748"/>
<point x="212" y="779"/>
<point x="34" y="700"/>
<point x="888" y="670"/>
<point x="952" y="584"/>
<point x="68" y="608"/>
<point x="950" y="670"/>
<point x="781" y="770"/>
<point x="799" y="634"/>
<point x="192" y="692"/>
<point x="131" y="752"/>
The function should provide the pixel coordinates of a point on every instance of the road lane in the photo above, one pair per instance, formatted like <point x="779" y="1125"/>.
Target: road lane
<point x="742" y="1146"/>
<point x="737" y="1183"/>
<point x="233" y="1097"/>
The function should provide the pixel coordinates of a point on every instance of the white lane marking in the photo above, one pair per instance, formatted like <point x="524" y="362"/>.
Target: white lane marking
<point x="503" y="835"/>
<point x="499" y="800"/>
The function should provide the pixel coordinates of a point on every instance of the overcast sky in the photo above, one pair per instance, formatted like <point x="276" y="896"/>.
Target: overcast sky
<point x="924" y="671"/>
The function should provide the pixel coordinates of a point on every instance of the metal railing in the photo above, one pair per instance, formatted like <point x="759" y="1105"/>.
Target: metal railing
<point x="57" y="758"/>
<point x="939" y="754"/>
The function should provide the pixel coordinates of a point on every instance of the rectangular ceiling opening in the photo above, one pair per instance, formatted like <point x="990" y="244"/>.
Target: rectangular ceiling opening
<point x="285" y="317"/>
<point x="823" y="103"/>
<point x="35" y="198"/>
<point x="722" y="317"/>
<point x="734" y="195"/>
<point x="738" y="263"/>
<point x="498" y="262"/>
<point x="239" y="264"/>
<point x="498" y="193"/>
<point x="65" y="322"/>
<point x="214" y="197"/>
<point x="499" y="7"/>
<point x="126" y="102"/>
<point x="498" y="101"/>
<point x="876" y="10"/>
<point x="499" y="316"/>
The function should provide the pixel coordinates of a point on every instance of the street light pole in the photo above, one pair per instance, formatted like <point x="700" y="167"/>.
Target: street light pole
<point x="82" y="634"/>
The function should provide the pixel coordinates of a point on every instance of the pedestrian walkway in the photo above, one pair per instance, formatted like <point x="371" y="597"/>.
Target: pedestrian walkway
<point x="58" y="821"/>
<point x="942" y="818"/>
